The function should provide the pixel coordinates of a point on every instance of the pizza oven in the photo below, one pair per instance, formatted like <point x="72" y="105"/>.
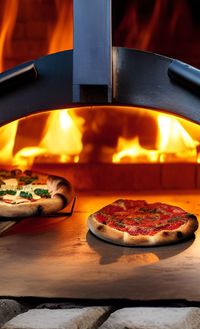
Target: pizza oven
<point x="117" y="99"/>
<point x="116" y="121"/>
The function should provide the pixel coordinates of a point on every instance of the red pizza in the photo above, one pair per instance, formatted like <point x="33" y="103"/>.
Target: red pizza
<point x="138" y="223"/>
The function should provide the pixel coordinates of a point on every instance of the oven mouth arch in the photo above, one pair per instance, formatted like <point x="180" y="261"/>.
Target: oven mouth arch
<point x="140" y="79"/>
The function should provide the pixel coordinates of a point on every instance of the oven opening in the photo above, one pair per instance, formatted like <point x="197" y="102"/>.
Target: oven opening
<point x="103" y="136"/>
<point x="113" y="141"/>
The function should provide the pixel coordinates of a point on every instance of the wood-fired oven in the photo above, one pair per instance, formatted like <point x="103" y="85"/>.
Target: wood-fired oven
<point x="116" y="122"/>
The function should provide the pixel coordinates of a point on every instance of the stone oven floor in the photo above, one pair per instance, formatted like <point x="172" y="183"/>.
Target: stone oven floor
<point x="56" y="274"/>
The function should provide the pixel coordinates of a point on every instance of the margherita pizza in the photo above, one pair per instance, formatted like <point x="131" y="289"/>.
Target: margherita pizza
<point x="138" y="223"/>
<point x="30" y="193"/>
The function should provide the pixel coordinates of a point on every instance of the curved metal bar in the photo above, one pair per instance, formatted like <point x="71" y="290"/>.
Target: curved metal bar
<point x="51" y="90"/>
<point x="140" y="79"/>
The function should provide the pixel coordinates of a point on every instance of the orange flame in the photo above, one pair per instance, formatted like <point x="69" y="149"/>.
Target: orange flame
<point x="7" y="26"/>
<point x="62" y="37"/>
<point x="173" y="137"/>
<point x="174" y="143"/>
<point x="63" y="131"/>
<point x="132" y="151"/>
<point x="67" y="141"/>
<point x="63" y="136"/>
<point x="8" y="132"/>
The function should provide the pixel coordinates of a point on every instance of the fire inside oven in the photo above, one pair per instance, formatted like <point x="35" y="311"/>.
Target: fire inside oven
<point x="102" y="135"/>
<point x="80" y="140"/>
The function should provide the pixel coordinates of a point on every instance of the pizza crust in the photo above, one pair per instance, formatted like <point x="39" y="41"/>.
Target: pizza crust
<point x="60" y="188"/>
<point x="164" y="237"/>
<point x="61" y="194"/>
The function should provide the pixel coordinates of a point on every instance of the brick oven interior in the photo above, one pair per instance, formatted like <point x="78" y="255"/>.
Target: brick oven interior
<point x="33" y="29"/>
<point x="116" y="153"/>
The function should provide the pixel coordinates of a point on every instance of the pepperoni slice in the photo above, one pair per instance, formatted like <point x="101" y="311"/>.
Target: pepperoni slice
<point x="111" y="209"/>
<point x="129" y="204"/>
<point x="101" y="218"/>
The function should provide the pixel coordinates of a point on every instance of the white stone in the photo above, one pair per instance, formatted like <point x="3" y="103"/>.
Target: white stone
<point x="154" y="318"/>
<point x="84" y="318"/>
<point x="8" y="309"/>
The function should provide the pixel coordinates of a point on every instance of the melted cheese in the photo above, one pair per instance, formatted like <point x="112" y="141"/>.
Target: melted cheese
<point x="11" y="182"/>
<point x="15" y="199"/>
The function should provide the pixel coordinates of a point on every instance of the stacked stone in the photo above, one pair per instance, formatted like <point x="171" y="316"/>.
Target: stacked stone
<point x="15" y="315"/>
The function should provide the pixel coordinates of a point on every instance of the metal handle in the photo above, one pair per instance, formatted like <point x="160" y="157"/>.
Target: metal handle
<point x="185" y="74"/>
<point x="17" y="76"/>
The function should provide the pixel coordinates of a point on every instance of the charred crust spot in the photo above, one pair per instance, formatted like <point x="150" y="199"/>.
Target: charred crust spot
<point x="64" y="199"/>
<point x="59" y="179"/>
<point x="100" y="228"/>
<point x="191" y="216"/>
<point x="52" y="178"/>
<point x="39" y="210"/>
<point x="63" y="184"/>
<point x="165" y="234"/>
<point x="179" y="235"/>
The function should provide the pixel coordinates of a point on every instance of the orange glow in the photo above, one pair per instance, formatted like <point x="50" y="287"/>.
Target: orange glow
<point x="64" y="146"/>
<point x="62" y="36"/>
<point x="174" y="138"/>
<point x="7" y="141"/>
<point x="63" y="136"/>
<point x="61" y="140"/>
<point x="7" y="27"/>
<point x="131" y="151"/>
<point x="7" y="132"/>
<point x="174" y="143"/>
<point x="25" y="157"/>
